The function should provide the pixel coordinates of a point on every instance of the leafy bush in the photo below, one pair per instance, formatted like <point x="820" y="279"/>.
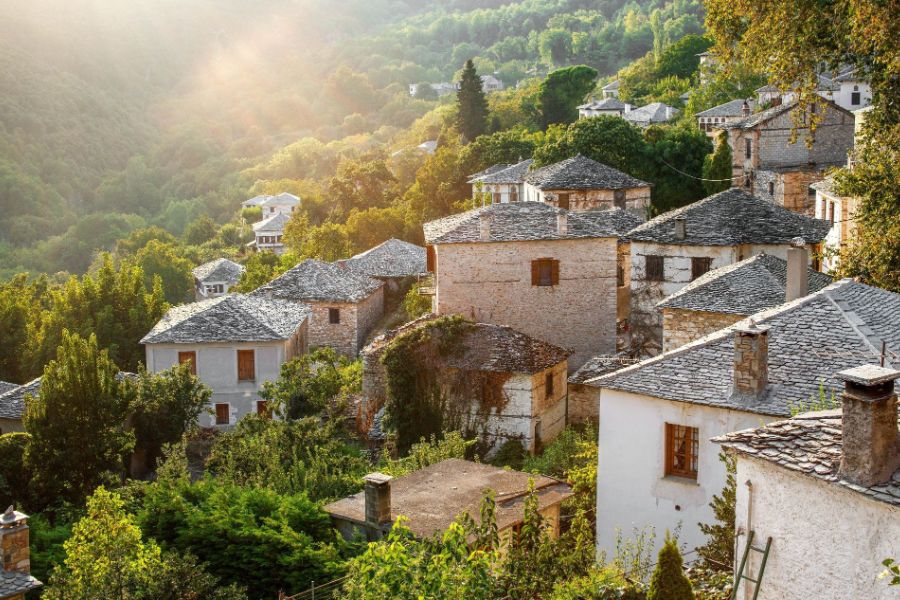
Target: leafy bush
<point x="668" y="581"/>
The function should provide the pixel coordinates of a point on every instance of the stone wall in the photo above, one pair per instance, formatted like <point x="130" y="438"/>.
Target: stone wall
<point x="14" y="548"/>
<point x="10" y="425"/>
<point x="789" y="189"/>
<point x="583" y="403"/>
<point x="682" y="326"/>
<point x="369" y="312"/>
<point x="491" y="283"/>
<point x="636" y="199"/>
<point x="356" y="321"/>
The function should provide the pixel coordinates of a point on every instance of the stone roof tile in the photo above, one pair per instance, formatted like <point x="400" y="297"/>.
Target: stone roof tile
<point x="13" y="583"/>
<point x="581" y="173"/>
<point x="316" y="281"/>
<point x="276" y="222"/>
<point x="219" y="270"/>
<point x="392" y="258"/>
<point x="12" y="401"/>
<point x="512" y="174"/>
<point x="732" y="108"/>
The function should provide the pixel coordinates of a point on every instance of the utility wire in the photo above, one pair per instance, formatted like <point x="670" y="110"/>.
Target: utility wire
<point x="698" y="178"/>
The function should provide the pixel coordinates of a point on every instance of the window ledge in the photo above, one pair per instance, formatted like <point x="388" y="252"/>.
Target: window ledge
<point x="680" y="479"/>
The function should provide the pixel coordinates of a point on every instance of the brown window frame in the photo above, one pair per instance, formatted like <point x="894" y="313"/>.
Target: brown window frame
<point x="831" y="212"/>
<point x="262" y="409"/>
<point x="700" y="265"/>
<point x="544" y="272"/>
<point x="748" y="148"/>
<point x="334" y="316"/>
<point x="245" y="371"/>
<point x="497" y="198"/>
<point x="220" y="419"/>
<point x="772" y="188"/>
<point x="619" y="199"/>
<point x="188" y="355"/>
<point x="855" y="98"/>
<point x="514" y="195"/>
<point x="430" y="259"/>
<point x="548" y="385"/>
<point x="656" y="272"/>
<point x="620" y="275"/>
<point x="562" y="201"/>
<point x="682" y="451"/>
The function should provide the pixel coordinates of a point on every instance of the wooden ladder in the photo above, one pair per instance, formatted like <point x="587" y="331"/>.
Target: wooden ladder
<point x="762" y="566"/>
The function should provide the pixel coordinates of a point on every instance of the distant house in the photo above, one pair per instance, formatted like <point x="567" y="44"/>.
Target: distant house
<point x="825" y="489"/>
<point x="442" y="89"/>
<point x="513" y="384"/>
<point x="611" y="89"/>
<point x="651" y="114"/>
<point x="432" y="498"/>
<point x="12" y="404"/>
<point x="269" y="233"/>
<point x="840" y="212"/>
<point x="255" y="201"/>
<point x="235" y="344"/>
<point x="711" y="119"/>
<point x="581" y="184"/>
<point x="772" y="167"/>
<point x="677" y="247"/>
<point x="548" y="272"/>
<point x="395" y="262"/>
<point x="345" y="305"/>
<point x="771" y="95"/>
<point x="284" y="203"/>
<point x="656" y="466"/>
<point x="428" y="147"/>
<point x="501" y="183"/>
<point x="731" y="293"/>
<point x="489" y="84"/>
<point x="610" y="106"/>
<point x="855" y="92"/>
<point x="215" y="278"/>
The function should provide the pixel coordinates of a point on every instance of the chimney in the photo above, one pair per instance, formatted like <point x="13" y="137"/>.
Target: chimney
<point x="751" y="357"/>
<point x="342" y="263"/>
<point x="870" y="451"/>
<point x="797" y="282"/>
<point x="562" y="224"/>
<point x="745" y="109"/>
<point x="378" y="503"/>
<point x="14" y="550"/>
<point x="680" y="228"/>
<point x="484" y="221"/>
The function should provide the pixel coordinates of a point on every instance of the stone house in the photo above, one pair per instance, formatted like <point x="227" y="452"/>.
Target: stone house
<point x="395" y="262"/>
<point x="771" y="166"/>
<point x="854" y="90"/>
<point x="214" y="278"/>
<point x="345" y="305"/>
<point x="730" y="112"/>
<point x="651" y="114"/>
<point x="656" y="466"/>
<point x="432" y="498"/>
<point x="489" y="84"/>
<point x="255" y="201"/>
<point x="581" y="184"/>
<point x="507" y="385"/>
<point x="611" y="89"/>
<point x="840" y="212"/>
<point x="825" y="489"/>
<point x="610" y="106"/>
<point x="771" y="95"/>
<point x="284" y="203"/>
<point x="268" y="233"/>
<point x="500" y="183"/>
<point x="677" y="247"/>
<point x="728" y="294"/>
<point x="547" y="272"/>
<point x="15" y="556"/>
<point x="12" y="404"/>
<point x="235" y="344"/>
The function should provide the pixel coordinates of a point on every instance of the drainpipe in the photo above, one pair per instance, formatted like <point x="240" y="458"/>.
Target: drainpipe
<point x="749" y="485"/>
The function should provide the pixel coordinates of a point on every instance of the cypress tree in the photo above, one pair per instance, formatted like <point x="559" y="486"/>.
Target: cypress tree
<point x="717" y="166"/>
<point x="669" y="581"/>
<point x="471" y="103"/>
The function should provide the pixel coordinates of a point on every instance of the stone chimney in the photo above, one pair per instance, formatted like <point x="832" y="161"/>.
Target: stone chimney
<point x="562" y="224"/>
<point x="797" y="282"/>
<point x="484" y="223"/>
<point x="14" y="549"/>
<point x="751" y="357"/>
<point x="870" y="451"/>
<point x="745" y="109"/>
<point x="680" y="228"/>
<point x="378" y="503"/>
<point x="342" y="263"/>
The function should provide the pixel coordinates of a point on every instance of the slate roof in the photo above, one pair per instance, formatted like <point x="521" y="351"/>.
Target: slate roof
<point x="742" y="288"/>
<point x="229" y="318"/>
<point x="809" y="444"/>
<point x="528" y="221"/>
<point x="492" y="169"/>
<point x="392" y="258"/>
<point x="5" y="386"/>
<point x="826" y="186"/>
<point x="511" y="174"/>
<point x="825" y="83"/>
<point x="733" y="108"/>
<point x="12" y="402"/>
<point x="316" y="281"/>
<point x="760" y="117"/>
<point x="581" y="173"/>
<point x="217" y="270"/>
<point x="656" y="112"/>
<point x="599" y="365"/>
<point x="274" y="223"/>
<point x="460" y="486"/>
<point x="256" y="200"/>
<point x="282" y="199"/>
<point x="605" y="104"/>
<point x="13" y="583"/>
<point x="732" y="217"/>
<point x="849" y="74"/>
<point x="611" y="86"/>
<point x="810" y="340"/>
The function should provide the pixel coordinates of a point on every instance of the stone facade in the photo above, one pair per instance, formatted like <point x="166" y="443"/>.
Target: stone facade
<point x="788" y="188"/>
<point x="356" y="321"/>
<point x="683" y="326"/>
<point x="582" y="403"/>
<point x="636" y="200"/>
<point x="491" y="283"/>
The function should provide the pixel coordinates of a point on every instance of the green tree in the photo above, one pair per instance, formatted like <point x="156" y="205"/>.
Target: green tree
<point x="328" y="242"/>
<point x="260" y="269"/>
<point x="717" y="167"/>
<point x="20" y="304"/>
<point x="424" y="91"/>
<point x="76" y="423"/>
<point x="472" y="108"/>
<point x="668" y="581"/>
<point x="562" y="91"/>
<point x="676" y="155"/>
<point x="311" y="383"/>
<point x="166" y="261"/>
<point x="202" y="229"/>
<point x="680" y="59"/>
<point x="606" y="139"/>
<point x="555" y="46"/>
<point x="14" y="475"/>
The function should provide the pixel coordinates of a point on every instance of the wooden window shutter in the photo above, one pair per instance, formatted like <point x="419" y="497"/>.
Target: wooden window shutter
<point x="246" y="365"/>
<point x="223" y="414"/>
<point x="535" y="272"/>
<point x="554" y="272"/>
<point x="430" y="259"/>
<point x="188" y="357"/>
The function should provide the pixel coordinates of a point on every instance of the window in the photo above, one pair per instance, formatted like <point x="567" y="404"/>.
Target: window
<point x="216" y="288"/>
<point x="563" y="201"/>
<point x="548" y="385"/>
<point x="699" y="266"/>
<point x="545" y="272"/>
<point x="334" y="316"/>
<point x="655" y="267"/>
<point x="430" y="259"/>
<point x="771" y="188"/>
<point x="620" y="275"/>
<point x="854" y="98"/>
<point x="682" y="445"/>
<point x="188" y="357"/>
<point x="831" y="212"/>
<point x="514" y="195"/>
<point x="748" y="147"/>
<point x="223" y="414"/>
<point x="246" y="365"/>
<point x="619" y="198"/>
<point x="498" y="198"/>
<point x="262" y="408"/>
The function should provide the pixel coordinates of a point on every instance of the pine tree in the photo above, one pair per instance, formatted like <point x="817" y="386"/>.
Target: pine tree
<point x="471" y="103"/>
<point x="717" y="167"/>
<point x="669" y="581"/>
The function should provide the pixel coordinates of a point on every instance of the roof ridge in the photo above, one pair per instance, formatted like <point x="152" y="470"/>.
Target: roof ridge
<point x="854" y="320"/>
